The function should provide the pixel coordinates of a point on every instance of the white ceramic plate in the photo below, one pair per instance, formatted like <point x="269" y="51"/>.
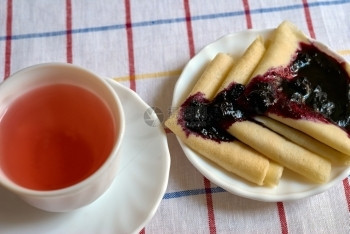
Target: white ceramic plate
<point x="291" y="186"/>
<point x="132" y="199"/>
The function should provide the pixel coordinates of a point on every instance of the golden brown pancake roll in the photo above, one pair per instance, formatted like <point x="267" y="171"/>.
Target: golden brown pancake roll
<point x="279" y="149"/>
<point x="304" y="140"/>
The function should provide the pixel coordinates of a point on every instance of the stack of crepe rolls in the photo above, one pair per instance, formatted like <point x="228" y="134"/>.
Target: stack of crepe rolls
<point x="270" y="143"/>
<point x="303" y="146"/>
<point x="234" y="156"/>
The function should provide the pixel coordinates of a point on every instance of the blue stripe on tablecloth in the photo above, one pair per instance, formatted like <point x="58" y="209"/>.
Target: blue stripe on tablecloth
<point x="174" y="20"/>
<point x="192" y="192"/>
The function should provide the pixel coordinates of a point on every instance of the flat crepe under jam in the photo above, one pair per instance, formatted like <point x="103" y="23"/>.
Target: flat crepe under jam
<point x="303" y="84"/>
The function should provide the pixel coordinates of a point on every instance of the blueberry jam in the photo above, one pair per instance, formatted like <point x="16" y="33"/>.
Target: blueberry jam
<point x="314" y="86"/>
<point x="210" y="119"/>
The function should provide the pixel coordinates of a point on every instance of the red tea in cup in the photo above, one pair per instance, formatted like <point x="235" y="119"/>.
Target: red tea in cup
<point x="61" y="131"/>
<point x="54" y="136"/>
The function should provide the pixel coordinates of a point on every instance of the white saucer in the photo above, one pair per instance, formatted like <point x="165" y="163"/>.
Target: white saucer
<point x="291" y="186"/>
<point x="132" y="199"/>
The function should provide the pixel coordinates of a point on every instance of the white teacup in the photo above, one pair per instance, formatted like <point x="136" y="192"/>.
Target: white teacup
<point x="76" y="170"/>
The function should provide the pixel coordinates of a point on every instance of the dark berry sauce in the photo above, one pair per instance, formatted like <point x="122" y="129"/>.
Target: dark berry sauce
<point x="210" y="119"/>
<point x="314" y="86"/>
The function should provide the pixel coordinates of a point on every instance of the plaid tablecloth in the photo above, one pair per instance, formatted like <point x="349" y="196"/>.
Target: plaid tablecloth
<point x="144" y="45"/>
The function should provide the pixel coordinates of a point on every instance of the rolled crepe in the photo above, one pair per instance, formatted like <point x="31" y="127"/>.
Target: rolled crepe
<point x="244" y="67"/>
<point x="233" y="156"/>
<point x="273" y="175"/>
<point x="213" y="75"/>
<point x="286" y="153"/>
<point x="286" y="41"/>
<point x="305" y="141"/>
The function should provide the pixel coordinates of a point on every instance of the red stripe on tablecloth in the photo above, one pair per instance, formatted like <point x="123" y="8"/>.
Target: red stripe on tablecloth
<point x="69" y="51"/>
<point x="248" y="17"/>
<point x="189" y="27"/>
<point x="143" y="231"/>
<point x="210" y="207"/>
<point x="347" y="191"/>
<point x="282" y="215"/>
<point x="308" y="19"/>
<point x="130" y="39"/>
<point x="7" y="69"/>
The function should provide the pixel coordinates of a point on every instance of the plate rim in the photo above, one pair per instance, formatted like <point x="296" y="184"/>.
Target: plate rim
<point x="167" y="157"/>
